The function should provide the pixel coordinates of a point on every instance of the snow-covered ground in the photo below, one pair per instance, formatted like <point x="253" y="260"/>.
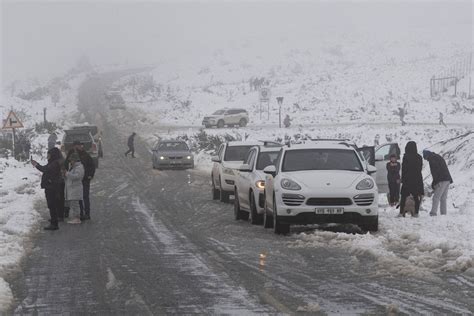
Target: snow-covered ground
<point x="336" y="91"/>
<point x="22" y="204"/>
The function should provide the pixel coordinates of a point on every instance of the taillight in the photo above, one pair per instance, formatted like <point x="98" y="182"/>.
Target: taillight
<point x="94" y="147"/>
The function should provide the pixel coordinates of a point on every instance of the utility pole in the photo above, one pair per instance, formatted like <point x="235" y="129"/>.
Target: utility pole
<point x="280" y="102"/>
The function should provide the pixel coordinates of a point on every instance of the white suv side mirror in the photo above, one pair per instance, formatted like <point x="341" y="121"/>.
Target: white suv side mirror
<point x="245" y="168"/>
<point x="270" y="170"/>
<point x="215" y="159"/>
<point x="371" y="169"/>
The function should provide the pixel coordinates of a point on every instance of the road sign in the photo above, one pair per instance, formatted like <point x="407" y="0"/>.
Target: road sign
<point x="264" y="94"/>
<point x="12" y="121"/>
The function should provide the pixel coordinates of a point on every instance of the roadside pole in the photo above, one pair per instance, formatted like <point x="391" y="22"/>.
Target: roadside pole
<point x="280" y="102"/>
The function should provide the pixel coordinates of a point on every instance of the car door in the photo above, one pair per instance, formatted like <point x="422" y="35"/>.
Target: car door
<point x="245" y="178"/>
<point x="382" y="157"/>
<point x="216" y="166"/>
<point x="270" y="182"/>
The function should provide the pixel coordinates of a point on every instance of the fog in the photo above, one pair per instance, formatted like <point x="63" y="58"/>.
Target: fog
<point x="44" y="38"/>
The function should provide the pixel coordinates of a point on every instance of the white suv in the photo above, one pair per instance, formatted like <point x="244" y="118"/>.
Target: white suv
<point x="318" y="183"/>
<point x="230" y="157"/>
<point x="229" y="117"/>
<point x="250" y="182"/>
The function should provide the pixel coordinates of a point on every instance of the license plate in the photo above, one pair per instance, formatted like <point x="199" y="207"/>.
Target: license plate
<point x="330" y="211"/>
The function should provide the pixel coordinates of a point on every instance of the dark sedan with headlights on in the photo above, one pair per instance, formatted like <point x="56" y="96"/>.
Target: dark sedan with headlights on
<point x="171" y="154"/>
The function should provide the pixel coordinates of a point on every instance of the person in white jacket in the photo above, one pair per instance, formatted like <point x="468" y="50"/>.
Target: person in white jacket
<point x="73" y="189"/>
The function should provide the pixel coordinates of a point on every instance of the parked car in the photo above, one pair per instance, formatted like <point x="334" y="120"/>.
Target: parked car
<point x="229" y="158"/>
<point x="229" y="117"/>
<point x="85" y="137"/>
<point x="115" y="101"/>
<point x="320" y="182"/>
<point x="172" y="154"/>
<point x="250" y="182"/>
<point x="96" y="134"/>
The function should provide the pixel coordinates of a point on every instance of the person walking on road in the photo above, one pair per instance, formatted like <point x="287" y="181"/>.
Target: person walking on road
<point x="74" y="191"/>
<point x="51" y="183"/>
<point x="412" y="179"/>
<point x="441" y="181"/>
<point x="131" y="145"/>
<point x="393" y="177"/>
<point x="89" y="172"/>
<point x="441" y="119"/>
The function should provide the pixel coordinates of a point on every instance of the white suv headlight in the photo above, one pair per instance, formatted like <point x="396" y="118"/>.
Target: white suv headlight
<point x="289" y="185"/>
<point x="365" y="184"/>
<point x="228" y="171"/>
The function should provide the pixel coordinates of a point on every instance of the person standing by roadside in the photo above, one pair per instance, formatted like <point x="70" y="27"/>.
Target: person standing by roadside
<point x="51" y="183"/>
<point x="89" y="171"/>
<point x="131" y="145"/>
<point x="393" y="177"/>
<point x="412" y="179"/>
<point x="441" y="181"/>
<point x="74" y="191"/>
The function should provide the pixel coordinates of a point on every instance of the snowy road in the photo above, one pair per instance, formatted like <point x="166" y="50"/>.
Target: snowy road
<point x="158" y="244"/>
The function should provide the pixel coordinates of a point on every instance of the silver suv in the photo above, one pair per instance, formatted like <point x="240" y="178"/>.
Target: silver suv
<point x="229" y="117"/>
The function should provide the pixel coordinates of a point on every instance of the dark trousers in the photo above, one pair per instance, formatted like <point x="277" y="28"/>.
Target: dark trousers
<point x="52" y="199"/>
<point x="85" y="204"/>
<point x="394" y="191"/>
<point x="403" y="200"/>
<point x="131" y="149"/>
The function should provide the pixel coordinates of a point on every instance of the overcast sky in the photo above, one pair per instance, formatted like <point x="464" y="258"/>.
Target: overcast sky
<point x="43" y="38"/>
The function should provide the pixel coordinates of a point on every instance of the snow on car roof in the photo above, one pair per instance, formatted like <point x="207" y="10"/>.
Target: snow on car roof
<point x="244" y="143"/>
<point x="319" y="145"/>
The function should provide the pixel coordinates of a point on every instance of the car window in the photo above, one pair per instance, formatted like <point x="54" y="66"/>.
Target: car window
<point x="250" y="159"/>
<point x="321" y="159"/>
<point x="230" y="112"/>
<point x="236" y="153"/>
<point x="384" y="151"/>
<point x="219" y="152"/>
<point x="172" y="146"/>
<point x="77" y="137"/>
<point x="266" y="159"/>
<point x="219" y="112"/>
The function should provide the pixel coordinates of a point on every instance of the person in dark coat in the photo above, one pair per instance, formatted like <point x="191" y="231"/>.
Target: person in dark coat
<point x="441" y="181"/>
<point x="131" y="145"/>
<point x="393" y="177"/>
<point x="89" y="172"/>
<point x="51" y="183"/>
<point x="412" y="180"/>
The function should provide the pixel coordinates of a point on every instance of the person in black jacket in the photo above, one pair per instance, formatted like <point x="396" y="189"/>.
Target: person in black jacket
<point x="131" y="145"/>
<point x="89" y="172"/>
<point x="51" y="183"/>
<point x="393" y="177"/>
<point x="412" y="180"/>
<point x="441" y="181"/>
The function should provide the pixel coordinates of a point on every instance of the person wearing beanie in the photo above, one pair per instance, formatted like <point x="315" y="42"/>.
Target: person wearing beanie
<point x="51" y="183"/>
<point x="74" y="190"/>
<point x="412" y="179"/>
<point x="441" y="181"/>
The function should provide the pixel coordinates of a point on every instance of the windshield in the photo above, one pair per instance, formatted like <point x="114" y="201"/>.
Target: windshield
<point x="321" y="159"/>
<point x="172" y="146"/>
<point x="236" y="153"/>
<point x="83" y="138"/>
<point x="220" y="112"/>
<point x="266" y="159"/>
